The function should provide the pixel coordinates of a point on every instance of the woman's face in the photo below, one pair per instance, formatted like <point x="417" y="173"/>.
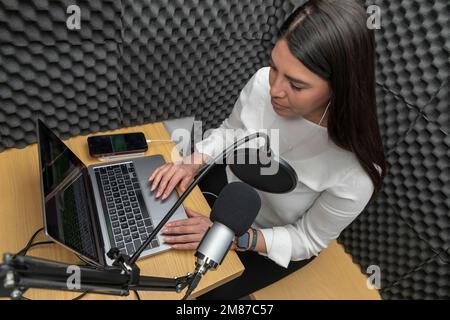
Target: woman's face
<point x="295" y="90"/>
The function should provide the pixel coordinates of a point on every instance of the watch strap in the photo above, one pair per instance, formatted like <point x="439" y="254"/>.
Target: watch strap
<point x="254" y="239"/>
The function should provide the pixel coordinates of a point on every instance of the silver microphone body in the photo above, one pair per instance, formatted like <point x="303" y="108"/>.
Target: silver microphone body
<point x="210" y="252"/>
<point x="213" y="247"/>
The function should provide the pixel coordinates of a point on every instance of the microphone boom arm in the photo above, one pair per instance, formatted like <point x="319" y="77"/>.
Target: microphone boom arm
<point x="20" y="273"/>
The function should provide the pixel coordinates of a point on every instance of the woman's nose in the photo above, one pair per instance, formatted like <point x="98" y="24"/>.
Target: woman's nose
<point x="276" y="89"/>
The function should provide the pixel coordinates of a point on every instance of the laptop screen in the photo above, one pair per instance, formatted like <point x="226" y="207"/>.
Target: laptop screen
<point x="67" y="216"/>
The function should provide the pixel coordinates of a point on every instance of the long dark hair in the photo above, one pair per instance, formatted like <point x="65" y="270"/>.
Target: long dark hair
<point x="332" y="40"/>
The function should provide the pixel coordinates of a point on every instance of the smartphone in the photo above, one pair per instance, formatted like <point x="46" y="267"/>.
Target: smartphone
<point x="117" y="144"/>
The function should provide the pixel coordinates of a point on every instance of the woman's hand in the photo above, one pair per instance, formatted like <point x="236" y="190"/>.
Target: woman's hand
<point x="186" y="234"/>
<point x="169" y="175"/>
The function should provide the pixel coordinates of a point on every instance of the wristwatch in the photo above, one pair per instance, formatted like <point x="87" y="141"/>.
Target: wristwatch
<point x="243" y="242"/>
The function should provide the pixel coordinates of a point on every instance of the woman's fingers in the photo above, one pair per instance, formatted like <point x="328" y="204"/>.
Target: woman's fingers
<point x="186" y="229"/>
<point x="162" y="170"/>
<point x="189" y="238"/>
<point x="156" y="172"/>
<point x="186" y="234"/>
<point x="152" y="176"/>
<point x="172" y="184"/>
<point x="185" y="246"/>
<point x="183" y="222"/>
<point x="165" y="180"/>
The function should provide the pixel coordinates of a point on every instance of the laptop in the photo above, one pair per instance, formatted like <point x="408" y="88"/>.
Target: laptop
<point x="90" y="210"/>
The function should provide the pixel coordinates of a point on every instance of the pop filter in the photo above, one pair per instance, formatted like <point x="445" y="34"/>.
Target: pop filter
<point x="262" y="171"/>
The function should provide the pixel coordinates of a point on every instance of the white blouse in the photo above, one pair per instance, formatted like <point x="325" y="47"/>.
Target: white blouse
<point x="332" y="187"/>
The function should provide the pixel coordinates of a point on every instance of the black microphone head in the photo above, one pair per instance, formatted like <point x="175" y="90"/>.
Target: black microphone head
<point x="236" y="207"/>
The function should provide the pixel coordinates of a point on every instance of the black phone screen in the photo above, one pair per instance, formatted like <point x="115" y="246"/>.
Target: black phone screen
<point x="117" y="144"/>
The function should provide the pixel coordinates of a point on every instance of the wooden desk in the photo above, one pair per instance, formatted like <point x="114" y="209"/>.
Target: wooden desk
<point x="330" y="276"/>
<point x="21" y="216"/>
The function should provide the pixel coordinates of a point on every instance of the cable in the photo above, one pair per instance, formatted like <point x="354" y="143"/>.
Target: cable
<point x="138" y="297"/>
<point x="81" y="296"/>
<point x="210" y="193"/>
<point x="37" y="244"/>
<point x="86" y="261"/>
<point x="30" y="245"/>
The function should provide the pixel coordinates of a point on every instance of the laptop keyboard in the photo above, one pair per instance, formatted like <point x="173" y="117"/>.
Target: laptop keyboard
<point x="124" y="207"/>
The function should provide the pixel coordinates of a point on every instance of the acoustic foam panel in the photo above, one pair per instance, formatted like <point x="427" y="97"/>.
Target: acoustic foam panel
<point x="395" y="117"/>
<point x="382" y="238"/>
<point x="430" y="280"/>
<point x="418" y="182"/>
<point x="407" y="229"/>
<point x="437" y="110"/>
<point x="413" y="48"/>
<point x="68" y="78"/>
<point x="44" y="21"/>
<point x="173" y="52"/>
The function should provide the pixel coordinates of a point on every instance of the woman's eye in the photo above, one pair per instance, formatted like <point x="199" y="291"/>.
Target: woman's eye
<point x="295" y="88"/>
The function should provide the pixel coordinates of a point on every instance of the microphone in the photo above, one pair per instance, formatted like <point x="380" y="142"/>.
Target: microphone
<point x="232" y="214"/>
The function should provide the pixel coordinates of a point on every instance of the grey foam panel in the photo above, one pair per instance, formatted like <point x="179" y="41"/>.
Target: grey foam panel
<point x="68" y="78"/>
<point x="74" y="88"/>
<point x="413" y="209"/>
<point x="44" y="21"/>
<point x="431" y="280"/>
<point x="412" y="49"/>
<point x="172" y="49"/>
<point x="381" y="237"/>
<point x="419" y="182"/>
<point x="445" y="256"/>
<point x="395" y="117"/>
<point x="234" y="62"/>
<point x="437" y="110"/>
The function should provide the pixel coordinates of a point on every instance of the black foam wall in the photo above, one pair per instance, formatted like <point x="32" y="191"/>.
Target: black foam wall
<point x="140" y="61"/>
<point x="132" y="62"/>
<point x="69" y="78"/>
<point x="406" y="232"/>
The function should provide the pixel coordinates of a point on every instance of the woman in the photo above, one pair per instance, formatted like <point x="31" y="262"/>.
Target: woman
<point x="319" y="91"/>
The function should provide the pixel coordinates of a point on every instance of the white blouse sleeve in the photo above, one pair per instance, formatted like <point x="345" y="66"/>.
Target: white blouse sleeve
<point x="329" y="215"/>
<point x="222" y="137"/>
